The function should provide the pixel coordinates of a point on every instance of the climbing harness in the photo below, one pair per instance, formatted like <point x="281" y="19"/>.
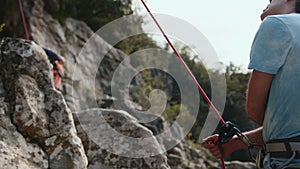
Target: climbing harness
<point x="23" y="20"/>
<point x="282" y="148"/>
<point x="228" y="130"/>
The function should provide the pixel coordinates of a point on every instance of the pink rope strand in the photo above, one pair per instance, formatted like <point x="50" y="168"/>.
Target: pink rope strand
<point x="186" y="68"/>
<point x="23" y="20"/>
<point x="189" y="72"/>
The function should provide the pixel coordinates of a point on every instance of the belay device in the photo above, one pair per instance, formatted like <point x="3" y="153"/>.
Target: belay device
<point x="228" y="130"/>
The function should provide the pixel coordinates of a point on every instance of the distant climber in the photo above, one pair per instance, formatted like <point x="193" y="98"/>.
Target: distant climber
<point x="57" y="61"/>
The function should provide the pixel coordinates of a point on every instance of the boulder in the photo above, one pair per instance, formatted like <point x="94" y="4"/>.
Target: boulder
<point x="117" y="139"/>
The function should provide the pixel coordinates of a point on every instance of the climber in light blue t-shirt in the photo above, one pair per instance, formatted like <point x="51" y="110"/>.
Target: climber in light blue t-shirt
<point x="273" y="95"/>
<point x="276" y="51"/>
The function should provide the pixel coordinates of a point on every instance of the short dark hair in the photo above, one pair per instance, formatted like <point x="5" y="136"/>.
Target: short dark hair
<point x="298" y="6"/>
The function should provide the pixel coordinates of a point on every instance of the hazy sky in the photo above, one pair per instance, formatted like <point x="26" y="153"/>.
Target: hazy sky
<point x="229" y="25"/>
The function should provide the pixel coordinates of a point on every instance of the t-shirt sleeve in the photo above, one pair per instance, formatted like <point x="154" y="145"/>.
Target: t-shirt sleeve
<point x="270" y="47"/>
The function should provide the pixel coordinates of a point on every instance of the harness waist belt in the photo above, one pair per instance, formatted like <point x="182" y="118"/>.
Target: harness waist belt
<point x="284" y="148"/>
<point x="280" y="147"/>
<point x="286" y="154"/>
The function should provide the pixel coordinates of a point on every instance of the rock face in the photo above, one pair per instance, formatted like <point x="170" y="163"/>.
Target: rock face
<point x="38" y="111"/>
<point x="40" y="115"/>
<point x="41" y="127"/>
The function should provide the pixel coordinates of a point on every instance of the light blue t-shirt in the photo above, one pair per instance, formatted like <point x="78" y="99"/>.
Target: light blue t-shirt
<point x="276" y="50"/>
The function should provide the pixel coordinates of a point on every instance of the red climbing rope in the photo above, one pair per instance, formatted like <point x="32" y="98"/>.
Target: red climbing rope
<point x="23" y="20"/>
<point x="186" y="67"/>
<point x="189" y="72"/>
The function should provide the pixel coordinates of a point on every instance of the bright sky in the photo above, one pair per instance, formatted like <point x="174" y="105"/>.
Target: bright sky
<point x="229" y="25"/>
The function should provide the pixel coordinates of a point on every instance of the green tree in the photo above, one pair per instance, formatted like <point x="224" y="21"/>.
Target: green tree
<point x="235" y="108"/>
<point x="94" y="12"/>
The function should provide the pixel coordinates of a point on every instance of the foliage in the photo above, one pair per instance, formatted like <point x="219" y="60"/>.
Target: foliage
<point x="136" y="43"/>
<point x="94" y="12"/>
<point x="235" y="98"/>
<point x="235" y="108"/>
<point x="173" y="110"/>
<point x="97" y="13"/>
<point x="1" y="27"/>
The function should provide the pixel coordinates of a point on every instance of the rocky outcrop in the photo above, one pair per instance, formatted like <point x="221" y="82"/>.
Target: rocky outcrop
<point x="115" y="138"/>
<point x="36" y="109"/>
<point x="15" y="150"/>
<point x="38" y="114"/>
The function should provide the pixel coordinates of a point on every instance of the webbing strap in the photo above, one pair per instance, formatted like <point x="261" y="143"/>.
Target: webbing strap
<point x="295" y="146"/>
<point x="281" y="147"/>
<point x="275" y="147"/>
